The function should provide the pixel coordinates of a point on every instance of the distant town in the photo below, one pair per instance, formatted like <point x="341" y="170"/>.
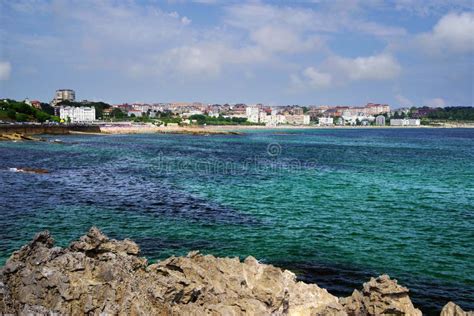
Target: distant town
<point x="64" y="109"/>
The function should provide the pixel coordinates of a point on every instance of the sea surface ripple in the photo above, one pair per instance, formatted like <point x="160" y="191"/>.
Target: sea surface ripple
<point x="335" y="206"/>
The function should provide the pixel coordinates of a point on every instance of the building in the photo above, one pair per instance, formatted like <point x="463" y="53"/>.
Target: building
<point x="252" y="114"/>
<point x="375" y="108"/>
<point x="36" y="104"/>
<point x="192" y="112"/>
<point x="326" y="121"/>
<point x="63" y="95"/>
<point x="297" y="119"/>
<point x="75" y="114"/>
<point x="106" y="113"/>
<point x="272" y="119"/>
<point x="380" y="120"/>
<point x="135" y="113"/>
<point x="404" y="122"/>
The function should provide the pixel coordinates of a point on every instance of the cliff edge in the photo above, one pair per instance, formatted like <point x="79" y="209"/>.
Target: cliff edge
<point x="98" y="275"/>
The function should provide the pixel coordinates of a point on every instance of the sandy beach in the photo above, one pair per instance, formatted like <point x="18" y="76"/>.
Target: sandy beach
<point x="237" y="129"/>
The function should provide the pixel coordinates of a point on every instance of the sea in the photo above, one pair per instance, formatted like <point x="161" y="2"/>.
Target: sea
<point x="335" y="206"/>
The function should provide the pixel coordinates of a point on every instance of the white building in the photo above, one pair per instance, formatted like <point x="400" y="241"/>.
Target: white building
<point x="192" y="112"/>
<point x="77" y="114"/>
<point x="213" y="114"/>
<point x="63" y="95"/>
<point x="141" y="107"/>
<point x="135" y="113"/>
<point x="404" y="122"/>
<point x="299" y="119"/>
<point x="252" y="114"/>
<point x="273" y="119"/>
<point x="380" y="120"/>
<point x="326" y="121"/>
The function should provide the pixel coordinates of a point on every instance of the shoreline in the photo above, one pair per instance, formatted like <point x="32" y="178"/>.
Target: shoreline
<point x="17" y="132"/>
<point x="239" y="129"/>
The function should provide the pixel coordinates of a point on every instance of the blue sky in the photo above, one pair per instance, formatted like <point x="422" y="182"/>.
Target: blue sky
<point x="400" y="52"/>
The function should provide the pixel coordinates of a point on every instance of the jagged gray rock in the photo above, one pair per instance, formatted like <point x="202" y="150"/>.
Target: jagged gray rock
<point x="100" y="275"/>
<point x="97" y="275"/>
<point x="380" y="296"/>
<point x="452" y="309"/>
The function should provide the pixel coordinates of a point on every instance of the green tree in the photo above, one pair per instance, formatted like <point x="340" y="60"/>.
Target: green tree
<point x="42" y="116"/>
<point x="45" y="107"/>
<point x="21" y="117"/>
<point x="11" y="114"/>
<point x="117" y="113"/>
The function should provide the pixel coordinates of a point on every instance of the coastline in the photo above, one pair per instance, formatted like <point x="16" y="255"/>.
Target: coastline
<point x="233" y="129"/>
<point x="20" y="132"/>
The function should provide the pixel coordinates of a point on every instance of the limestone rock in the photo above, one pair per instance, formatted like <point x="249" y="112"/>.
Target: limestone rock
<point x="452" y="309"/>
<point x="96" y="275"/>
<point x="380" y="296"/>
<point x="99" y="275"/>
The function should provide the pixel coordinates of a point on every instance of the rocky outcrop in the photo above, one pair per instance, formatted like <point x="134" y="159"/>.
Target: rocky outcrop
<point x="98" y="275"/>
<point x="452" y="309"/>
<point x="29" y="170"/>
<point x="380" y="296"/>
<point x="18" y="136"/>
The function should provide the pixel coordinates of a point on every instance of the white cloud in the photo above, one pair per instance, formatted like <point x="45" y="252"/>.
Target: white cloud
<point x="453" y="33"/>
<point x="206" y="58"/>
<point x="185" y="20"/>
<point x="5" y="69"/>
<point x="310" y="78"/>
<point x="279" y="39"/>
<point x="338" y="70"/>
<point x="146" y="40"/>
<point x="192" y="60"/>
<point x="403" y="101"/>
<point x="376" y="67"/>
<point x="435" y="102"/>
<point x="317" y="78"/>
<point x="332" y="18"/>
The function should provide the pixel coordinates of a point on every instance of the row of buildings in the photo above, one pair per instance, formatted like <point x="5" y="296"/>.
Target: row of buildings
<point x="371" y="113"/>
<point x="273" y="117"/>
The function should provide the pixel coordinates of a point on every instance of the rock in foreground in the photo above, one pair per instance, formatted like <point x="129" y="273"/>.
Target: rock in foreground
<point x="452" y="309"/>
<point x="380" y="296"/>
<point x="100" y="275"/>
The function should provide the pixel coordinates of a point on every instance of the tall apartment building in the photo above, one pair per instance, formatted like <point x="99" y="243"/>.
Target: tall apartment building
<point x="253" y="114"/>
<point x="63" y="95"/>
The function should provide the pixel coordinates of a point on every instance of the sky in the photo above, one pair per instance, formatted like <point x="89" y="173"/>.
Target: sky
<point x="321" y="52"/>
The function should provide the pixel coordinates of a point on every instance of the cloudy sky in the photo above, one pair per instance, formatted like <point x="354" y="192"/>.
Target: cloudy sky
<point x="401" y="52"/>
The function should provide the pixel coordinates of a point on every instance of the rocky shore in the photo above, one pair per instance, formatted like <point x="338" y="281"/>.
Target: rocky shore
<point x="97" y="275"/>
<point x="18" y="137"/>
<point x="153" y="129"/>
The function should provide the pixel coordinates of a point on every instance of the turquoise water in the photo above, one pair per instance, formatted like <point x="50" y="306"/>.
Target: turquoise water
<point x="335" y="206"/>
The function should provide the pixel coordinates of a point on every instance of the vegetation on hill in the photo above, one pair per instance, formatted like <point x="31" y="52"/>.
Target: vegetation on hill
<point x="11" y="110"/>
<point x="457" y="113"/>
<point x="209" y="120"/>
